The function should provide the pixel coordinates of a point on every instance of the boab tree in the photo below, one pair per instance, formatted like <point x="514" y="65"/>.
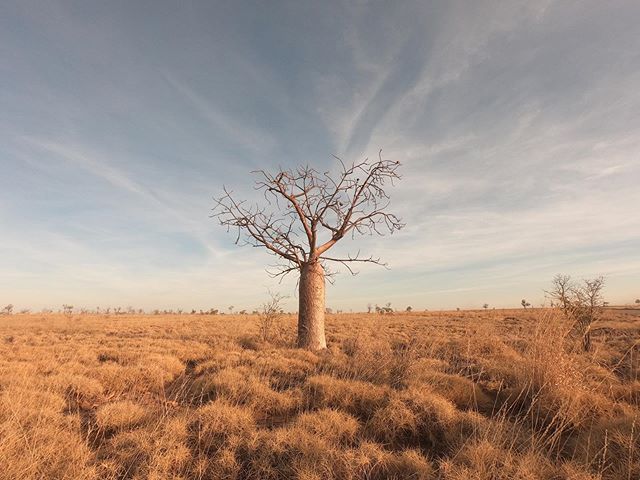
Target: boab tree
<point x="304" y="214"/>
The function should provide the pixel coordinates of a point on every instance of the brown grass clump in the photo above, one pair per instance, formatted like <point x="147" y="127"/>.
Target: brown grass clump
<point x="463" y="392"/>
<point x="360" y="399"/>
<point x="486" y="461"/>
<point x="331" y="425"/>
<point x="485" y="395"/>
<point x="239" y="386"/>
<point x="395" y="424"/>
<point x="120" y="415"/>
<point x="82" y="392"/>
<point x="142" y="454"/>
<point x="290" y="453"/>
<point x="37" y="440"/>
<point x="221" y="425"/>
<point x="371" y="461"/>
<point x="285" y="370"/>
<point x="611" y="439"/>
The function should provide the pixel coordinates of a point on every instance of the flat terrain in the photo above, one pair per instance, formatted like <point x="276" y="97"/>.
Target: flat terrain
<point x="453" y="395"/>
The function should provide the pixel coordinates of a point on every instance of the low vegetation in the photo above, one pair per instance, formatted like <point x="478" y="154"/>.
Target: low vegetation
<point x="488" y="394"/>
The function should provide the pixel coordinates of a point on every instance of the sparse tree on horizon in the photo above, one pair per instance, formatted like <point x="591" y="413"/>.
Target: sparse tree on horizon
<point x="525" y="304"/>
<point x="304" y="214"/>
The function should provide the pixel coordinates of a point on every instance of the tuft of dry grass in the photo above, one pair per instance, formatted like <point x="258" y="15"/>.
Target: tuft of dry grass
<point x="220" y="425"/>
<point x="120" y="415"/>
<point x="333" y="426"/>
<point x="485" y="395"/>
<point x="361" y="399"/>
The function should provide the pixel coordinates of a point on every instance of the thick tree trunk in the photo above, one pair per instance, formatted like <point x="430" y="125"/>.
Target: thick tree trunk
<point x="311" y="307"/>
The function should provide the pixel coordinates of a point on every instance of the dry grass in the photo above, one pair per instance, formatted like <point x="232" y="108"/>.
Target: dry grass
<point x="442" y="395"/>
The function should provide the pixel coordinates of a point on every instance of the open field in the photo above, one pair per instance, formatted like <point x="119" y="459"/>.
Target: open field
<point x="453" y="395"/>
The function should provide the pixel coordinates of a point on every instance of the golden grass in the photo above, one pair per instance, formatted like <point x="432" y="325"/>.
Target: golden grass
<point x="437" y="395"/>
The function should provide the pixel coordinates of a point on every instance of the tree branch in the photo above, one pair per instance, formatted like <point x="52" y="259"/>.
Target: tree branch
<point x="354" y="201"/>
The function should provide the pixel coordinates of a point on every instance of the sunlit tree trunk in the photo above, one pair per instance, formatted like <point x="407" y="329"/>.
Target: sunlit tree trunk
<point x="311" y="308"/>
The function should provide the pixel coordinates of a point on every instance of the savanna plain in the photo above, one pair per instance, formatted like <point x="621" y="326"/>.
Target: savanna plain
<point x="493" y="394"/>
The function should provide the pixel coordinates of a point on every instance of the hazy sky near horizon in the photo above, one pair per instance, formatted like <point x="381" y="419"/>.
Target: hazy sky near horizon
<point x="517" y="125"/>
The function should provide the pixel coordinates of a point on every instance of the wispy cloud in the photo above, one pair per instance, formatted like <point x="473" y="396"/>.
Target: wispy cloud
<point x="516" y="123"/>
<point x="242" y="135"/>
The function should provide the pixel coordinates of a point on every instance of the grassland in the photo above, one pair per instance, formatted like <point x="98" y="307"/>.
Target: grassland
<point x="448" y="395"/>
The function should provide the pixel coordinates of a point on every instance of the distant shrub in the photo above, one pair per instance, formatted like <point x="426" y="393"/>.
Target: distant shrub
<point x="267" y="318"/>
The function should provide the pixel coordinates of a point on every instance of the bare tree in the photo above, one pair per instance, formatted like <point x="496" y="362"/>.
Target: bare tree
<point x="587" y="308"/>
<point x="581" y="303"/>
<point x="561" y="290"/>
<point x="525" y="304"/>
<point x="8" y="310"/>
<point x="304" y="215"/>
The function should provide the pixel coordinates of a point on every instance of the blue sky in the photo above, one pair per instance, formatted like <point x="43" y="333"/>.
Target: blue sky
<point x="517" y="124"/>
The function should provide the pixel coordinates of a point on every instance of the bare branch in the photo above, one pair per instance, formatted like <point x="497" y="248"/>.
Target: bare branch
<point x="302" y="205"/>
<point x="354" y="259"/>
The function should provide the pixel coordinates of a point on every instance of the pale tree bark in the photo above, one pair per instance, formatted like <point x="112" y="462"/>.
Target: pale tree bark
<point x="311" y="307"/>
<point x="304" y="215"/>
